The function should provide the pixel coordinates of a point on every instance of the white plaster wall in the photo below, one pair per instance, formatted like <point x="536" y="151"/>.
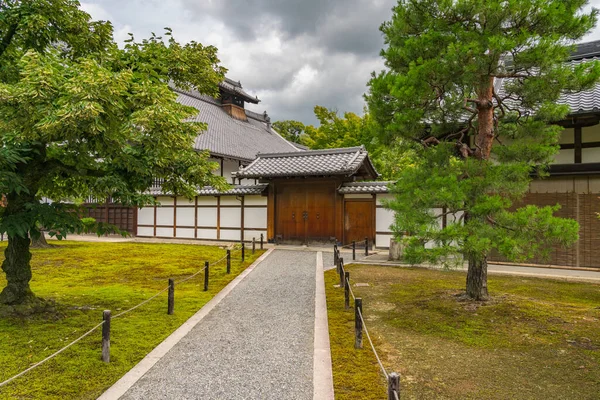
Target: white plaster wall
<point x="590" y="134"/>
<point x="144" y="231"/>
<point x="184" y="201"/>
<point x="165" y="200"/>
<point x="207" y="233"/>
<point x="255" y="218"/>
<point x="231" y="234"/>
<point x="230" y="201"/>
<point x="146" y="216"/>
<point x="185" y="217"/>
<point x="565" y="156"/>
<point x="383" y="241"/>
<point x="231" y="217"/>
<point x="383" y="219"/>
<point x="567" y="136"/>
<point x="381" y="197"/>
<point x="187" y="233"/>
<point x="591" y="155"/>
<point x="207" y="216"/>
<point x="164" y="232"/>
<point x="164" y="216"/>
<point x="207" y="201"/>
<point x="230" y="166"/>
<point x="255" y="201"/>
<point x="248" y="235"/>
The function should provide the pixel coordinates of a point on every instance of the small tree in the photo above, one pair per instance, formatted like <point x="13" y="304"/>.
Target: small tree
<point x="472" y="87"/>
<point x="80" y="117"/>
<point x="291" y="130"/>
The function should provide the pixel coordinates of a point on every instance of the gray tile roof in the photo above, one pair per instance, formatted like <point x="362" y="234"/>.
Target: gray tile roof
<point x="364" y="187"/>
<point x="231" y="86"/>
<point x="230" y="137"/>
<point x="346" y="161"/>
<point x="236" y="190"/>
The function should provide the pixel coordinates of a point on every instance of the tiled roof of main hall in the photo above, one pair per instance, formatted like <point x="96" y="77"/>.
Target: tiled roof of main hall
<point x="345" y="161"/>
<point x="365" y="187"/>
<point x="230" y="137"/>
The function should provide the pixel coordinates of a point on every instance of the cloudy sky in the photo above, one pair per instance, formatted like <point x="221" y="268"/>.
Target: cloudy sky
<point x="293" y="54"/>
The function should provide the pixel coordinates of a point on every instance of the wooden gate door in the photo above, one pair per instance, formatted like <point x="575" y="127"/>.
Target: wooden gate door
<point x="359" y="216"/>
<point x="320" y="207"/>
<point x="291" y="204"/>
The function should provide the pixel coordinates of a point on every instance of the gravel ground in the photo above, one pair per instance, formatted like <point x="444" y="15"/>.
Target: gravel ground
<point x="256" y="344"/>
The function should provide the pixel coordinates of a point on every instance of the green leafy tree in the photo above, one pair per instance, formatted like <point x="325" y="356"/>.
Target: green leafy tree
<point x="471" y="88"/>
<point x="291" y="130"/>
<point x="80" y="117"/>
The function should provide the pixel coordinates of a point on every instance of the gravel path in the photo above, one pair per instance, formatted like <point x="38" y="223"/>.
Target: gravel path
<point x="256" y="344"/>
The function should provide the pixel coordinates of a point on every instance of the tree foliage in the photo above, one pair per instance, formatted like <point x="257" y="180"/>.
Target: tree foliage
<point x="471" y="89"/>
<point x="80" y="117"/>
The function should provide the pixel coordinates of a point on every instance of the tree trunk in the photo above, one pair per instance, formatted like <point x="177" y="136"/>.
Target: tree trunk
<point x="40" y="242"/>
<point x="18" y="272"/>
<point x="477" y="279"/>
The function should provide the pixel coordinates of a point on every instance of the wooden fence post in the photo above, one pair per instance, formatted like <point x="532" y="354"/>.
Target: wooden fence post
<point x="357" y="323"/>
<point x="335" y="255"/>
<point x="253" y="245"/>
<point x="393" y="386"/>
<point x="171" y="297"/>
<point x="366" y="246"/>
<point x="354" y="250"/>
<point x="261" y="241"/>
<point x="347" y="290"/>
<point x="341" y="272"/>
<point x="243" y="251"/>
<point x="228" y="261"/>
<point x="206" y="276"/>
<point x="106" y="336"/>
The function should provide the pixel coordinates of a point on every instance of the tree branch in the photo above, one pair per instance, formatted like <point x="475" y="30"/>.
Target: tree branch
<point x="7" y="39"/>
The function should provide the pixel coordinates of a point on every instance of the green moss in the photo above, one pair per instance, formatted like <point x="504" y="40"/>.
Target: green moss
<point x="86" y="278"/>
<point x="536" y="338"/>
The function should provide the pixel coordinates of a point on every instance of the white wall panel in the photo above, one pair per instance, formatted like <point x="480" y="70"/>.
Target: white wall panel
<point x="591" y="155"/>
<point x="207" y="216"/>
<point x="185" y="216"/>
<point x="381" y="197"/>
<point x="567" y="136"/>
<point x="230" y="234"/>
<point x="143" y="231"/>
<point x="230" y="166"/>
<point x="590" y="134"/>
<point x="383" y="241"/>
<point x="187" y="233"/>
<point x="230" y="201"/>
<point x="255" y="201"/>
<point x="164" y="216"/>
<point x="248" y="235"/>
<point x="146" y="216"/>
<point x="383" y="219"/>
<point x="165" y="200"/>
<point x="207" y="233"/>
<point x="164" y="232"/>
<point x="231" y="217"/>
<point x="184" y="201"/>
<point x="207" y="201"/>
<point x="255" y="218"/>
<point x="566" y="156"/>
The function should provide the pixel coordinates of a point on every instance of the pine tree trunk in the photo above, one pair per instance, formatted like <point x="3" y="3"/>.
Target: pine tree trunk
<point x="18" y="272"/>
<point x="477" y="279"/>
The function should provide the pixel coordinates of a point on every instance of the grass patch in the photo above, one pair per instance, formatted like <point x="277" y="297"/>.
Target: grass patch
<point x="87" y="278"/>
<point x="536" y="338"/>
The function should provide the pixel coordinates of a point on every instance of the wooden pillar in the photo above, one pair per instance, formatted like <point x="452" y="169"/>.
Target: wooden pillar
<point x="218" y="217"/>
<point x="174" y="216"/>
<point x="242" y="220"/>
<point x="196" y="217"/>
<point x="339" y="215"/>
<point x="271" y="212"/>
<point x="155" y="212"/>
<point x="578" y="140"/>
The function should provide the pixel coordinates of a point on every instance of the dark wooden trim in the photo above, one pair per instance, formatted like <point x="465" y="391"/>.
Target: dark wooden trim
<point x="577" y="143"/>
<point x="222" y="161"/>
<point x="174" y="216"/>
<point x="575" y="169"/>
<point x="271" y="212"/>
<point x="218" y="217"/>
<point x="242" y="220"/>
<point x="383" y="233"/>
<point x="135" y="220"/>
<point x="584" y="145"/>
<point x="196" y="217"/>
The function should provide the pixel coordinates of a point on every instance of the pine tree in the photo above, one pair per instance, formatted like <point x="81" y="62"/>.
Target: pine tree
<point x="471" y="87"/>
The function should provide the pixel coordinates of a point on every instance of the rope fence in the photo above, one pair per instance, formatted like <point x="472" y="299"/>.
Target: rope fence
<point x="107" y="314"/>
<point x="352" y="245"/>
<point x="392" y="379"/>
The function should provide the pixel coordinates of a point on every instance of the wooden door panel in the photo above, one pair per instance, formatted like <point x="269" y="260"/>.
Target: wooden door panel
<point x="320" y="202"/>
<point x="358" y="221"/>
<point x="291" y="202"/>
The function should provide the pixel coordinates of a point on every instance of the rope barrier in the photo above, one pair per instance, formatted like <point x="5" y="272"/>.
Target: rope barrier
<point x="372" y="346"/>
<point x="52" y="355"/>
<point x="102" y="323"/>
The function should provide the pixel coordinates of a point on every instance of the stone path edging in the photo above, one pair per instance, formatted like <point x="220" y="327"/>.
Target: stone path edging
<point x="136" y="373"/>
<point x="322" y="372"/>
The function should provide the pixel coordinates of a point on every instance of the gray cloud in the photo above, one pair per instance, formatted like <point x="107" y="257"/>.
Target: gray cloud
<point x="294" y="54"/>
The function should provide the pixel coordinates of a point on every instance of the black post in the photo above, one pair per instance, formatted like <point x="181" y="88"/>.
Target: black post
<point x="366" y="246"/>
<point x="253" y="245"/>
<point x="206" y="276"/>
<point x="228" y="261"/>
<point x="354" y="250"/>
<point x="243" y="251"/>
<point x="335" y="255"/>
<point x="393" y="386"/>
<point x="106" y="336"/>
<point x="171" y="297"/>
<point x="347" y="290"/>
<point x="341" y="272"/>
<point x="357" y="323"/>
<point x="261" y="241"/>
